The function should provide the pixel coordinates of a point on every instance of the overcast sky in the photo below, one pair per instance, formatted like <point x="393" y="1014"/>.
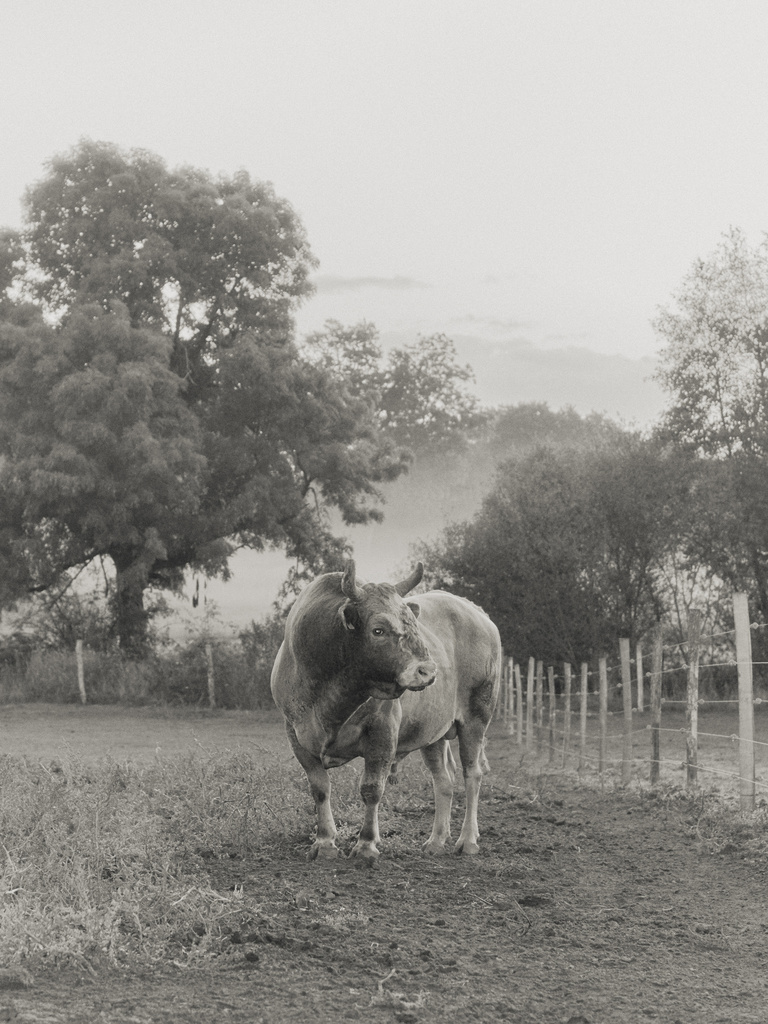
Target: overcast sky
<point x="530" y="176"/>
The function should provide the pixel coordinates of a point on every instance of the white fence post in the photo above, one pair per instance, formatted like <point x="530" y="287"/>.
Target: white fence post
<point x="552" y="711"/>
<point x="746" y="703"/>
<point x="626" y="692"/>
<point x="211" y="678"/>
<point x="509" y="686"/>
<point x="566" y="711"/>
<point x="80" y="670"/>
<point x="603" y="668"/>
<point x="529" y="705"/>
<point x="656" y="668"/>
<point x="692" y="699"/>
<point x="640" y="680"/>
<point x="539" y="704"/>
<point x="583" y="714"/>
<point x="519" y="702"/>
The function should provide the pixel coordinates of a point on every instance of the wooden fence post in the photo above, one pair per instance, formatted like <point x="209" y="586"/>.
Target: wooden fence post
<point x="626" y="694"/>
<point x="583" y="714"/>
<point x="211" y="679"/>
<point x="746" y="703"/>
<point x="529" y="705"/>
<point x="656" y="667"/>
<point x="692" y="699"/>
<point x="603" y="667"/>
<point x="566" y="710"/>
<point x="552" y="711"/>
<point x="80" y="670"/>
<point x="519" y="720"/>
<point x="509" y="698"/>
<point x="498" y="711"/>
<point x="640" y="680"/>
<point x="539" y="704"/>
<point x="513" y="707"/>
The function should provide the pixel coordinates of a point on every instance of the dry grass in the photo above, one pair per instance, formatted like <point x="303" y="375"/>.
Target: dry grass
<point x="106" y="861"/>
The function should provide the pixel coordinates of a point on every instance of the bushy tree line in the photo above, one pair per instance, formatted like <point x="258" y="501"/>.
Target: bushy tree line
<point x="576" y="544"/>
<point x="592" y="531"/>
<point x="158" y="411"/>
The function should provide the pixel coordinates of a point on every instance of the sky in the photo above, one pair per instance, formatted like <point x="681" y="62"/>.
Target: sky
<point x="532" y="178"/>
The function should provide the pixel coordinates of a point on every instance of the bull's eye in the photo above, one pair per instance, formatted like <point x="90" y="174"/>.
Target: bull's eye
<point x="377" y="631"/>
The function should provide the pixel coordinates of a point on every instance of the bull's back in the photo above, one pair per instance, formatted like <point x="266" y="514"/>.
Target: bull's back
<point x="465" y="631"/>
<point x="466" y="646"/>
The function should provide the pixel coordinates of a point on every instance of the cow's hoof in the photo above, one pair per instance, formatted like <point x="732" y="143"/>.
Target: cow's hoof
<point x="323" y="851"/>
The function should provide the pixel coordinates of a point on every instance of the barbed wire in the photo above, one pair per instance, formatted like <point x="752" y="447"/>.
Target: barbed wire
<point x="590" y="758"/>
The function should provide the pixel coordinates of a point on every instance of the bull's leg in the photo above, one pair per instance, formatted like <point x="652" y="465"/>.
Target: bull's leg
<point x="472" y="752"/>
<point x="380" y="750"/>
<point x="439" y="760"/>
<point x="371" y="790"/>
<point x="324" y="845"/>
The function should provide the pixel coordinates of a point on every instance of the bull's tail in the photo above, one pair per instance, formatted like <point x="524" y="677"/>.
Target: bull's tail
<point x="450" y="761"/>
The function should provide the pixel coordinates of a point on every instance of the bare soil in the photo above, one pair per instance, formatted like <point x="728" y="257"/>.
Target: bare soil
<point x="583" y="907"/>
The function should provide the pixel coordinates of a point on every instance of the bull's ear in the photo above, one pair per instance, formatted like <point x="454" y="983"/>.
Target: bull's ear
<point x="415" y="608"/>
<point x="349" y="615"/>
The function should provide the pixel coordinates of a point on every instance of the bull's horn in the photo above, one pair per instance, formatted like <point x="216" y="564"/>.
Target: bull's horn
<point x="413" y="580"/>
<point x="349" y="587"/>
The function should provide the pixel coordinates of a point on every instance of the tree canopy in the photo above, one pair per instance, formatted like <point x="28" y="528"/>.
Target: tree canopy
<point x="715" y="367"/>
<point x="155" y="406"/>
<point x="421" y="394"/>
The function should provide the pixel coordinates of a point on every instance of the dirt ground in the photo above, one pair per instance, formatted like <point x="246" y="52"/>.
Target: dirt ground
<point x="582" y="907"/>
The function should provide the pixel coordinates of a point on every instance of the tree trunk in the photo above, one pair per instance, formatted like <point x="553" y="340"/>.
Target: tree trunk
<point x="131" y="616"/>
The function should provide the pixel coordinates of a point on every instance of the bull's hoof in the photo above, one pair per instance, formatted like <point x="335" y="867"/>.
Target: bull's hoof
<point x="466" y="848"/>
<point x="434" y="849"/>
<point x="364" y="854"/>
<point x="323" y="851"/>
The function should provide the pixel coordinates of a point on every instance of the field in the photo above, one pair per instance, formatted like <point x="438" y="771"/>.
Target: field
<point x="155" y="870"/>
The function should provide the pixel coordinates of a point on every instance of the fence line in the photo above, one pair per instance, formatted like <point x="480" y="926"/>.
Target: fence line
<point x="524" y="717"/>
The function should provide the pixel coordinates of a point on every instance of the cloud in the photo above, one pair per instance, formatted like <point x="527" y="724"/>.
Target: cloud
<point x="337" y="283"/>
<point x="499" y="325"/>
<point x="514" y="370"/>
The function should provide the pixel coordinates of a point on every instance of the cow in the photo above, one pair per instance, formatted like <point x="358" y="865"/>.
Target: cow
<point x="363" y="673"/>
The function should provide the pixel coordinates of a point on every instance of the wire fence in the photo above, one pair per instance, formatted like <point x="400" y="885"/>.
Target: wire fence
<point x="610" y="721"/>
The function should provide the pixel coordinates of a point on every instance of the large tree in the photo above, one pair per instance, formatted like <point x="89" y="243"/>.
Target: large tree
<point x="715" y="367"/>
<point x="153" y="404"/>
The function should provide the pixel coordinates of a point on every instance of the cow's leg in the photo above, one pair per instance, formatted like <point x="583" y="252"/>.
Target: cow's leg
<point x="472" y="753"/>
<point x="324" y="845"/>
<point x="438" y="758"/>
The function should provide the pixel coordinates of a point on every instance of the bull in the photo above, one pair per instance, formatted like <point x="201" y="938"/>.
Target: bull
<point x="364" y="673"/>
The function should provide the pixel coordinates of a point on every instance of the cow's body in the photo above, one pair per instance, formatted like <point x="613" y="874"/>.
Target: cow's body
<point x="362" y="673"/>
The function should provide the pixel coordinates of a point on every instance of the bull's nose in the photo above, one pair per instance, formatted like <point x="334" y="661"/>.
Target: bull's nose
<point x="426" y="673"/>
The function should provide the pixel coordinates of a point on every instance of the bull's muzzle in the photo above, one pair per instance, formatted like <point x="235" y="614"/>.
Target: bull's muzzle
<point x="418" y="676"/>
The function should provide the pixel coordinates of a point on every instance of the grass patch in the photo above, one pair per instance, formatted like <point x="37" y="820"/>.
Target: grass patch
<point x="723" y="829"/>
<point x="105" y="862"/>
